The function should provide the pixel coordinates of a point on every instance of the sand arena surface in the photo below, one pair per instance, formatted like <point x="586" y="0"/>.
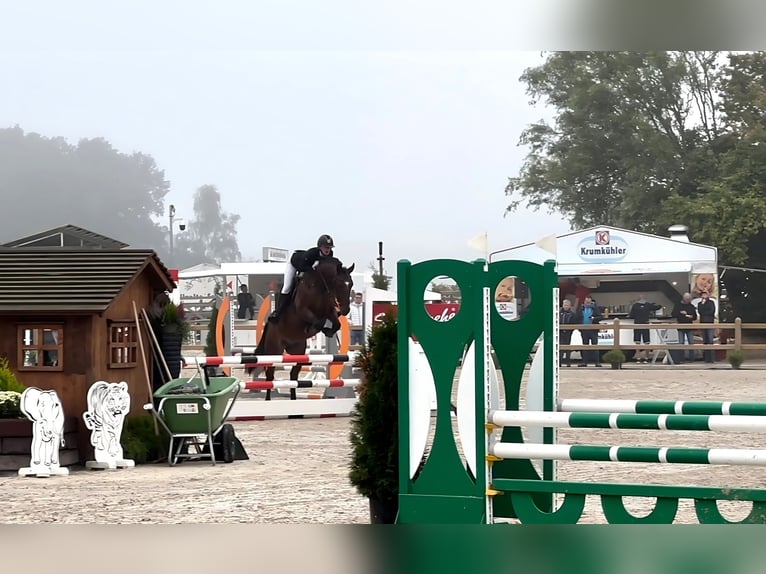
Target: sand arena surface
<point x="298" y="469"/>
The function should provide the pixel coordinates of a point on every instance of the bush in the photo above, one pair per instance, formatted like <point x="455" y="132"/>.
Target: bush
<point x="10" y="405"/>
<point x="375" y="419"/>
<point x="736" y="358"/>
<point x="8" y="380"/>
<point x="140" y="443"/>
<point x="614" y="356"/>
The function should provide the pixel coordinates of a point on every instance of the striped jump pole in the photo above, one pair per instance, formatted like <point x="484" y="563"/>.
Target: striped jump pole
<point x="299" y="384"/>
<point x="662" y="407"/>
<point x="677" y="455"/>
<point x="721" y="423"/>
<point x="270" y="417"/>
<point x="266" y="360"/>
<point x="251" y="409"/>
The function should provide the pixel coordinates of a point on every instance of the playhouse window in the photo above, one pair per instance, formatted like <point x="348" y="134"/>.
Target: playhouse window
<point x="41" y="347"/>
<point x="123" y="345"/>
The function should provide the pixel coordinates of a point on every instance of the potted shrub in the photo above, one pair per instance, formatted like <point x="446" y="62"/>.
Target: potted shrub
<point x="13" y="424"/>
<point x="10" y="392"/>
<point x="374" y="469"/>
<point x="736" y="358"/>
<point x="615" y="357"/>
<point x="173" y="330"/>
<point x="10" y="405"/>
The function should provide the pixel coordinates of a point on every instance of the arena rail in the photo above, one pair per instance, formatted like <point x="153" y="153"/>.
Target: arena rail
<point x="733" y="332"/>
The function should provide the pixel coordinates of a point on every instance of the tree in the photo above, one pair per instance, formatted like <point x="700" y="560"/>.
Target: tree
<point x="211" y="237"/>
<point x="48" y="182"/>
<point x="643" y="140"/>
<point x="379" y="281"/>
<point x="623" y="136"/>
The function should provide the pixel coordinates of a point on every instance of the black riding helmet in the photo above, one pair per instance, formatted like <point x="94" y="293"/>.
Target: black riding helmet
<point x="325" y="240"/>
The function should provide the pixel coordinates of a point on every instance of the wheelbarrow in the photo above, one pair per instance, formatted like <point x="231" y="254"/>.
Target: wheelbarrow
<point x="193" y="410"/>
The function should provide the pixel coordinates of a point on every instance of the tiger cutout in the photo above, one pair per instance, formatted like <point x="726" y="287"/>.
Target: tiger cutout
<point x="108" y="404"/>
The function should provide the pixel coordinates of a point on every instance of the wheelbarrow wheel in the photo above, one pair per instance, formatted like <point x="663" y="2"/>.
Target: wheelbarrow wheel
<point x="228" y="442"/>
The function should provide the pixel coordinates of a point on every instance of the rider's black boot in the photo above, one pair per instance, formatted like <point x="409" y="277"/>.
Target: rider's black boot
<point x="279" y="307"/>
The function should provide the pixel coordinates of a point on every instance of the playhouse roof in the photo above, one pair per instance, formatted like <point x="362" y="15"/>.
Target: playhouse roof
<point x="67" y="236"/>
<point x="62" y="279"/>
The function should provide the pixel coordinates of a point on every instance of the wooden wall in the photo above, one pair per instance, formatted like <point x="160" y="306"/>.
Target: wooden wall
<point x="86" y="356"/>
<point x="121" y="309"/>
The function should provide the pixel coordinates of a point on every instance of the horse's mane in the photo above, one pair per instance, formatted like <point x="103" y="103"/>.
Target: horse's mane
<point x="330" y="263"/>
<point x="329" y="260"/>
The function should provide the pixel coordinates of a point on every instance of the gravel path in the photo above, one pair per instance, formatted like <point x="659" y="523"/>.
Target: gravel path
<point x="298" y="469"/>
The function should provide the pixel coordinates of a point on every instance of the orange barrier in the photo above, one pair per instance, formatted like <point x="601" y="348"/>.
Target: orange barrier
<point x="345" y="341"/>
<point x="219" y="324"/>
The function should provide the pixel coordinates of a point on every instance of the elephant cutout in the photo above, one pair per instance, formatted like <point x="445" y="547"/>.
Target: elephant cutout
<point x="108" y="404"/>
<point x="44" y="409"/>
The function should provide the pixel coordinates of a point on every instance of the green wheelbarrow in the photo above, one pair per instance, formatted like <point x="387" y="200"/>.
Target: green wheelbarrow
<point x="193" y="411"/>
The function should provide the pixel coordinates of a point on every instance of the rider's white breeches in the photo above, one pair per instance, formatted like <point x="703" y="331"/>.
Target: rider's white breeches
<point x="289" y="277"/>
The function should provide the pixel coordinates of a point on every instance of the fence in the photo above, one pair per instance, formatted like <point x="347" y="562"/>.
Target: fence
<point x="730" y="336"/>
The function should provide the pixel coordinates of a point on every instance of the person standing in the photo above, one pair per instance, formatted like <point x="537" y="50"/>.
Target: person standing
<point x="706" y="311"/>
<point x="589" y="315"/>
<point x="686" y="313"/>
<point x="640" y="313"/>
<point x="567" y="316"/>
<point x="355" y="320"/>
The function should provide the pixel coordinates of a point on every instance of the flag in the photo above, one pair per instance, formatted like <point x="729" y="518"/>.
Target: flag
<point x="480" y="243"/>
<point x="547" y="243"/>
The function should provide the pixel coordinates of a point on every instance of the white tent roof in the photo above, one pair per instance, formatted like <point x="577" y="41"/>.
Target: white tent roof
<point x="605" y="250"/>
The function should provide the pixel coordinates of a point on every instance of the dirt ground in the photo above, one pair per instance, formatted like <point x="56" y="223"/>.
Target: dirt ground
<point x="298" y="469"/>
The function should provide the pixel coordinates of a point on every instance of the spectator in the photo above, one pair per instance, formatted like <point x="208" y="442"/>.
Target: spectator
<point x="566" y="317"/>
<point x="356" y="320"/>
<point x="589" y="315"/>
<point x="640" y="313"/>
<point x="686" y="313"/>
<point x="706" y="311"/>
<point x="246" y="303"/>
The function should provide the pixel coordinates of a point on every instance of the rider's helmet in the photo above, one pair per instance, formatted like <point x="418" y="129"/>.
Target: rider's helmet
<point x="325" y="241"/>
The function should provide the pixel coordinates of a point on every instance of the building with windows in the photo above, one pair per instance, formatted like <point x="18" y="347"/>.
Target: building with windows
<point x="67" y="320"/>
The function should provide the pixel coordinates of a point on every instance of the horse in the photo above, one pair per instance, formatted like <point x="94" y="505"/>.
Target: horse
<point x="320" y="294"/>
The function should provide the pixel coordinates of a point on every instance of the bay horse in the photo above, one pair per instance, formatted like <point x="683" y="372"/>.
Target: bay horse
<point x="320" y="294"/>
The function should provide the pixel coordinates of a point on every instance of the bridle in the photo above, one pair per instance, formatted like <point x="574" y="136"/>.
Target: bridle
<point x="328" y="291"/>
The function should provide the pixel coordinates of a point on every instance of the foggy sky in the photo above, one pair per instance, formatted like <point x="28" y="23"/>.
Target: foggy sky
<point x="307" y="120"/>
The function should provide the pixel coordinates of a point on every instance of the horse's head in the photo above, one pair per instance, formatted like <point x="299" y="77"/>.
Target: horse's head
<point x="343" y="285"/>
<point x="338" y="280"/>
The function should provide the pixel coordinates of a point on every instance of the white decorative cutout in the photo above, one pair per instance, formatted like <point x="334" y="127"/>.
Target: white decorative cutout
<point x="108" y="404"/>
<point x="422" y="400"/>
<point x="466" y="407"/>
<point x="44" y="409"/>
<point x="534" y="400"/>
<point x="535" y="384"/>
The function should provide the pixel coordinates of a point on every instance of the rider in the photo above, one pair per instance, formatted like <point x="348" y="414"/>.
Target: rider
<point x="301" y="261"/>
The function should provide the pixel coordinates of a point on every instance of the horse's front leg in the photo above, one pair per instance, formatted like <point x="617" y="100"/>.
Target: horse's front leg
<point x="331" y="325"/>
<point x="269" y="377"/>
<point x="314" y="324"/>
<point x="297" y="348"/>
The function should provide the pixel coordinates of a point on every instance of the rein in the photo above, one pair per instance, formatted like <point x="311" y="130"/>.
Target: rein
<point x="328" y="291"/>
